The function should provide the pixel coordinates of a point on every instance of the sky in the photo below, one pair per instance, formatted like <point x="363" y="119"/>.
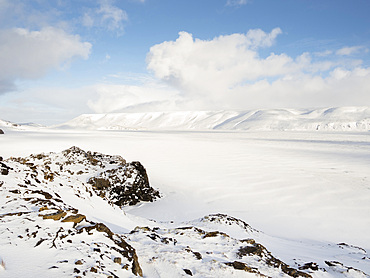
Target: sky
<point x="63" y="58"/>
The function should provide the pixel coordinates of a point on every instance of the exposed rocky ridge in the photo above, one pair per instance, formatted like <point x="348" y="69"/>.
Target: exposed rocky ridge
<point x="110" y="177"/>
<point x="30" y="200"/>
<point x="41" y="197"/>
<point x="215" y="248"/>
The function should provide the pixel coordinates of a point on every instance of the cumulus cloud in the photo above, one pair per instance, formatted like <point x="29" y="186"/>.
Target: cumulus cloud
<point x="106" y="16"/>
<point x="28" y="54"/>
<point x="227" y="72"/>
<point x="232" y="58"/>
<point x="216" y="66"/>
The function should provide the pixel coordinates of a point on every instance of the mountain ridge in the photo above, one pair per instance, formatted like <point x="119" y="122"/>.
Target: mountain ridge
<point x="324" y="119"/>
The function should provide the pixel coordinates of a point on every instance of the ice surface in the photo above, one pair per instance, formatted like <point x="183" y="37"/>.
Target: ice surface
<point x="301" y="185"/>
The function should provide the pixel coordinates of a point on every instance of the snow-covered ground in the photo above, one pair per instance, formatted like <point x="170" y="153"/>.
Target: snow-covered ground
<point x="306" y="191"/>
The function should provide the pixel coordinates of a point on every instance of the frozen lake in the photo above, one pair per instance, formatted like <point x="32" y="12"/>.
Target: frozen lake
<point x="298" y="185"/>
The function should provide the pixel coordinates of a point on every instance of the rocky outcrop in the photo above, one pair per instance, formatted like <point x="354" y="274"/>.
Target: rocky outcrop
<point x="125" y="185"/>
<point x="1" y="131"/>
<point x="217" y="247"/>
<point x="35" y="215"/>
<point x="107" y="176"/>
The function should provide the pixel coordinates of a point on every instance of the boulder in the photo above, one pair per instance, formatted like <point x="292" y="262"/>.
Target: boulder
<point x="1" y="131"/>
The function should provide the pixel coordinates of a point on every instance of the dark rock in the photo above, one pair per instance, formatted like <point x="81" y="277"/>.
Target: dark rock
<point x="4" y="169"/>
<point x="242" y="266"/>
<point x="136" y="269"/>
<point x="197" y="255"/>
<point x="214" y="234"/>
<point x="99" y="183"/>
<point x="311" y="265"/>
<point x="333" y="263"/>
<point x="40" y="241"/>
<point x="46" y="194"/>
<point x="116" y="186"/>
<point x="188" y="272"/>
<point x="256" y="249"/>
<point x="1" y="131"/>
<point x="53" y="267"/>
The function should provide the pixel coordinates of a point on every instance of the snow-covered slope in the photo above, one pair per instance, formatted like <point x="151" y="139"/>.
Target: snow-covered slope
<point x="6" y="126"/>
<point x="61" y="216"/>
<point x="330" y="119"/>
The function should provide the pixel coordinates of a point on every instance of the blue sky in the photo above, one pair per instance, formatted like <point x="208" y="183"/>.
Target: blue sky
<point x="59" y="59"/>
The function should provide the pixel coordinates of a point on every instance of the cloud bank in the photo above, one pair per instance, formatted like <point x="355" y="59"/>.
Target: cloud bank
<point x="227" y="72"/>
<point x="28" y="54"/>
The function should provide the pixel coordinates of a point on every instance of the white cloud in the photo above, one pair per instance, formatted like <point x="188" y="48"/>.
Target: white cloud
<point x="216" y="66"/>
<point x="236" y="2"/>
<point x="346" y="51"/>
<point x="112" y="16"/>
<point x="106" y="16"/>
<point x="28" y="54"/>
<point x="228" y="73"/>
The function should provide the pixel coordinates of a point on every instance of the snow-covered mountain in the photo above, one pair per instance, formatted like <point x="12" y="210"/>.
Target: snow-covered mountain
<point x="9" y="126"/>
<point x="61" y="216"/>
<point x="328" y="119"/>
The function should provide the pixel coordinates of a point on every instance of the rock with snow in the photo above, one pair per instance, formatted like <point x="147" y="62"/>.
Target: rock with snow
<point x="1" y="131"/>
<point x="37" y="218"/>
